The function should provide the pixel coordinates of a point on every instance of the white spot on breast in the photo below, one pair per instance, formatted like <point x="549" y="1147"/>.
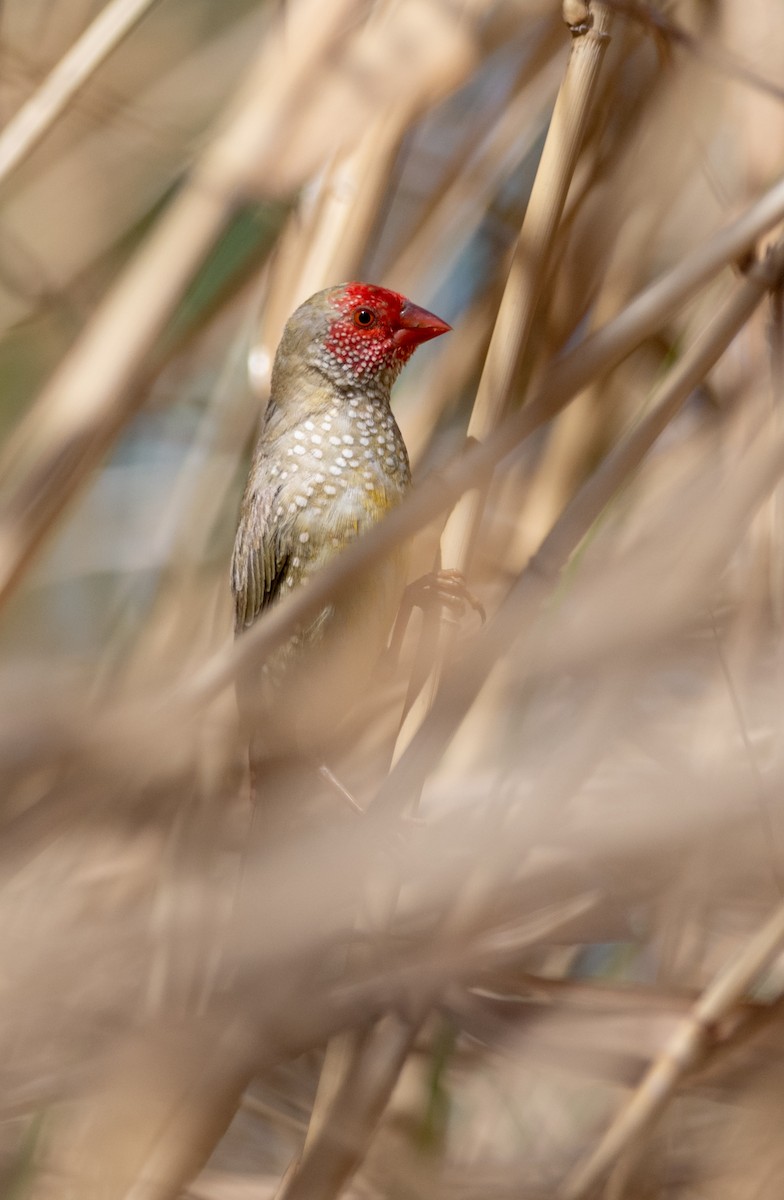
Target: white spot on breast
<point x="304" y="537"/>
<point x="299" y="449"/>
<point x="315" y="439"/>
<point x="317" y="453"/>
<point x="295" y="562"/>
<point x="329" y="490"/>
<point x="340" y="462"/>
<point x="292" y="508"/>
<point x="334" y="441"/>
<point x="299" y="435"/>
<point x="309" y="425"/>
<point x="347" y="439"/>
<point x="335" y="470"/>
<point x="301" y="501"/>
<point x="364" y="441"/>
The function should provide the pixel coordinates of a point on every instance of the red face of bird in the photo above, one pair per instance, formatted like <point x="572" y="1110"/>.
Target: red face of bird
<point x="377" y="327"/>
<point x="358" y="334"/>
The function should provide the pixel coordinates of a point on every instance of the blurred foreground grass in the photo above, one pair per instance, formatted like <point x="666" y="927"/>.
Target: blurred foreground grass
<point x="549" y="950"/>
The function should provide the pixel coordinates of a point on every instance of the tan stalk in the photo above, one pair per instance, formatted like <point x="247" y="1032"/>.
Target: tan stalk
<point x="65" y="80"/>
<point x="353" y="1091"/>
<point x="598" y="353"/>
<point x="529" y="264"/>
<point x="312" y="253"/>
<point x="515" y="318"/>
<point x="446" y="381"/>
<point x="683" y="1051"/>
<point x="292" y="112"/>
<point x="357" y="1098"/>
<point x="355" y="1080"/>
<point x="336" y="1150"/>
<point x="446" y="227"/>
<point x="327" y="245"/>
<point x="325" y="241"/>
<point x="520" y="610"/>
<point x="90" y="397"/>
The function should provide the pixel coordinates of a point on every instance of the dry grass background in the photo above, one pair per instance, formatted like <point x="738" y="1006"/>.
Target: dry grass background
<point x="546" y="959"/>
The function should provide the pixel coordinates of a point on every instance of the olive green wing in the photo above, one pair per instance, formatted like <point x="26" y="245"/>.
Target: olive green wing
<point x="262" y="550"/>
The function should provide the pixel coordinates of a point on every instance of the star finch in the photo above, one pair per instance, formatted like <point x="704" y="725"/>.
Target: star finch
<point x="329" y="463"/>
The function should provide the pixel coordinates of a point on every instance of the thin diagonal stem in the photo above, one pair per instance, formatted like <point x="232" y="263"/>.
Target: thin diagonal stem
<point x="37" y="115"/>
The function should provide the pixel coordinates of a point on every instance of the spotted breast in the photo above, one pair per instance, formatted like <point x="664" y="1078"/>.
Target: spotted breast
<point x="329" y="463"/>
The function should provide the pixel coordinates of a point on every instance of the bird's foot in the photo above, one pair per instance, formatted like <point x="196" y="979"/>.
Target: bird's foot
<point x="447" y="589"/>
<point x="450" y="590"/>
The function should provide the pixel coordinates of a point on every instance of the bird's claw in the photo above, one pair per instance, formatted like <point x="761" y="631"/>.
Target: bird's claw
<point x="448" y="588"/>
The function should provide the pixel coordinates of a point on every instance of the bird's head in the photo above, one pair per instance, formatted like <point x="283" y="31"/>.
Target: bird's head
<point x="358" y="335"/>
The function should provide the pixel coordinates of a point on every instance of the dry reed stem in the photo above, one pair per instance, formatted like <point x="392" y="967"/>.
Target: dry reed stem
<point x="513" y="325"/>
<point x="435" y="959"/>
<point x="446" y="381"/>
<point x="378" y="1055"/>
<point x="598" y="353"/>
<point x="327" y="239"/>
<point x="446" y="225"/>
<point x="528" y="269"/>
<point x="331" y="246"/>
<point x="166" y="1097"/>
<point x="39" y="113"/>
<point x="520" y="610"/>
<point x="342" y="1139"/>
<point x="345" y="1131"/>
<point x="90" y="398"/>
<point x="328" y="244"/>
<point x="168" y="1091"/>
<point x="688" y="1045"/>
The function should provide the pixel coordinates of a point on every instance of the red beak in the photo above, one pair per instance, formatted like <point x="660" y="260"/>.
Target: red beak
<point x="417" y="325"/>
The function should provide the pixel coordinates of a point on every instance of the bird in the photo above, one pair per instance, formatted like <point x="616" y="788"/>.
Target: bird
<point x="328" y="464"/>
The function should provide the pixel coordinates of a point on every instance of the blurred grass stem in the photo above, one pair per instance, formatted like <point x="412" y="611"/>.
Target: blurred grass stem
<point x="685" y="1050"/>
<point x="65" y="80"/>
<point x="335" y="1153"/>
<point x="557" y="385"/>
<point x="519" y="612"/>
<point x="91" y="396"/>
<point x="513" y="325"/>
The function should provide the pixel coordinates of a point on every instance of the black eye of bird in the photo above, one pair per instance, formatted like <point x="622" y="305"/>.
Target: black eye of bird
<point x="365" y="318"/>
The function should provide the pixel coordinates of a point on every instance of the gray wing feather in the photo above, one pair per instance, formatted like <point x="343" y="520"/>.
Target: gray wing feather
<point x="261" y="555"/>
